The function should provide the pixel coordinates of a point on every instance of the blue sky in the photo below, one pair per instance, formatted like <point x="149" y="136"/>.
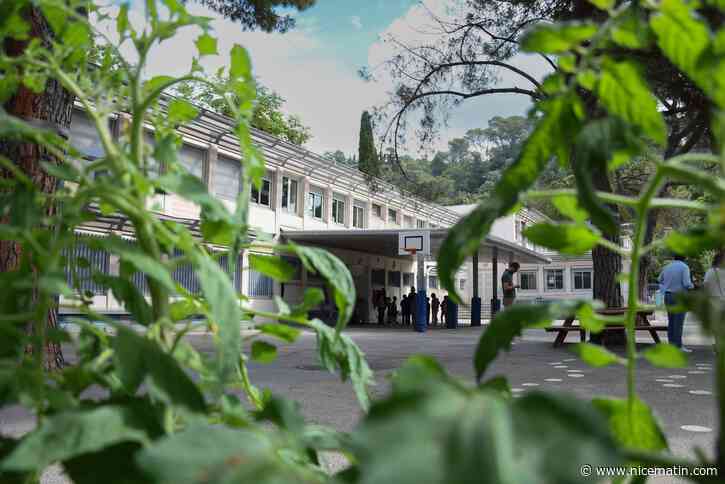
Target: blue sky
<point x="315" y="66"/>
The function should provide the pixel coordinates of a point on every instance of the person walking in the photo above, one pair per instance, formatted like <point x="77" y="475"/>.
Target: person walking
<point x="444" y="310"/>
<point x="507" y="283"/>
<point x="393" y="311"/>
<point x="404" y="310"/>
<point x="435" y="305"/>
<point x="675" y="279"/>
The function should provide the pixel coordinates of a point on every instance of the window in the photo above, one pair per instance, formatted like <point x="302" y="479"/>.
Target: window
<point x="554" y="279"/>
<point x="84" y="136"/>
<point x="392" y="216"/>
<point x="314" y="204"/>
<point x="225" y="183"/>
<point x="582" y="279"/>
<point x="527" y="280"/>
<point x="462" y="285"/>
<point x="432" y="282"/>
<point x="377" y="277"/>
<point x="262" y="197"/>
<point x="394" y="278"/>
<point x="259" y="284"/>
<point x="192" y="159"/>
<point x="378" y="210"/>
<point x="408" y="221"/>
<point x="338" y="211"/>
<point x="420" y="224"/>
<point x="407" y="279"/>
<point x="81" y="263"/>
<point x="289" y="195"/>
<point x="358" y="216"/>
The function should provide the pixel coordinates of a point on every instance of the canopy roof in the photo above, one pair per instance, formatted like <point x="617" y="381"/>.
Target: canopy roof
<point x="385" y="243"/>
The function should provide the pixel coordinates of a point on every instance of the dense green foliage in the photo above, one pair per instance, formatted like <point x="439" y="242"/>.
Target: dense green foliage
<point x="167" y="413"/>
<point x="258" y="14"/>
<point x="268" y="114"/>
<point x="367" y="155"/>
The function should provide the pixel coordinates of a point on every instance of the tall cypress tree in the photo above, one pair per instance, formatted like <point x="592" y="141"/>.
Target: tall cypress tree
<point x="368" y="161"/>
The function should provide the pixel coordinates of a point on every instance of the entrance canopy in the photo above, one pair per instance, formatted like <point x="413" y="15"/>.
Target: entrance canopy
<point x="385" y="243"/>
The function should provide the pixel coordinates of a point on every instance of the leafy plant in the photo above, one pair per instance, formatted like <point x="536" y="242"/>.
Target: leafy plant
<point x="146" y="406"/>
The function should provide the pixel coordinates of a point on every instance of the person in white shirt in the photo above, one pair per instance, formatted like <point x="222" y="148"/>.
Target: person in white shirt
<point x="715" y="278"/>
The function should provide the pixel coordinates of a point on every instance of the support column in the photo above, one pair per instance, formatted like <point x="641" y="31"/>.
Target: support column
<point x="495" y="303"/>
<point x="349" y="201"/>
<point x="327" y="205"/>
<point x="277" y="206"/>
<point x="302" y="196"/>
<point x="475" y="300"/>
<point x="368" y="216"/>
<point x="421" y="306"/>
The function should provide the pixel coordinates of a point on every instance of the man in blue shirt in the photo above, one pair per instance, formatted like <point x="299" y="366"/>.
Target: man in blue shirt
<point x="674" y="279"/>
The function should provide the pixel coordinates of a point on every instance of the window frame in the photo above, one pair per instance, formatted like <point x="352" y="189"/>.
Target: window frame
<point x="582" y="270"/>
<point x="355" y="216"/>
<point x="291" y="202"/>
<point x="535" y="278"/>
<point x="258" y="201"/>
<point x="433" y="282"/>
<point x="310" y="208"/>
<point x="338" y="216"/>
<point x="546" y="280"/>
<point x="214" y="184"/>
<point x="420" y="224"/>
<point x="393" y="214"/>
<point x="377" y="210"/>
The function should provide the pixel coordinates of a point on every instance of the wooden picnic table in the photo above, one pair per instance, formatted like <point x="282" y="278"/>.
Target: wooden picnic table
<point x="642" y="323"/>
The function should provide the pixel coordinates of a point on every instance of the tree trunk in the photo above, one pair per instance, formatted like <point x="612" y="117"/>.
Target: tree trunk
<point x="53" y="106"/>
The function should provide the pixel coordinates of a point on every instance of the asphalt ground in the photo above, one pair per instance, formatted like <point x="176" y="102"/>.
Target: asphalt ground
<point x="682" y="399"/>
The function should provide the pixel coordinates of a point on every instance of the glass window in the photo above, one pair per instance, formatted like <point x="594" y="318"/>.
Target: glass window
<point x="84" y="136"/>
<point x="420" y="224"/>
<point x="432" y="282"/>
<point x="81" y="263"/>
<point x="289" y="194"/>
<point x="192" y="159"/>
<point x="394" y="278"/>
<point x="527" y="280"/>
<point x="408" y="278"/>
<point x="314" y="204"/>
<point x="377" y="277"/>
<point x="226" y="178"/>
<point x="408" y="221"/>
<point x="392" y="216"/>
<point x="378" y="210"/>
<point x="262" y="197"/>
<point x="358" y="217"/>
<point x="338" y="211"/>
<point x="554" y="279"/>
<point x="461" y="284"/>
<point x="582" y="279"/>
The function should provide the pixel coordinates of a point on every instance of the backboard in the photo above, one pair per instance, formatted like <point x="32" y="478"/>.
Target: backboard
<point x="414" y="242"/>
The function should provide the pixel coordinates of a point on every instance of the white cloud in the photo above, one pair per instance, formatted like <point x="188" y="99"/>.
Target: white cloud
<point x="356" y="22"/>
<point x="417" y="27"/>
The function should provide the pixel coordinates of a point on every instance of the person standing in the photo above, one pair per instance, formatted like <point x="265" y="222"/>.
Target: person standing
<point x="404" y="309"/>
<point x="715" y="278"/>
<point x="507" y="284"/>
<point x="393" y="311"/>
<point x="435" y="304"/>
<point x="444" y="310"/>
<point x="412" y="300"/>
<point x="675" y="279"/>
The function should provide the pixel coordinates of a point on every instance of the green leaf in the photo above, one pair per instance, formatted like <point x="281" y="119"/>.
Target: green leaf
<point x="206" y="45"/>
<point x="180" y="111"/>
<point x="566" y="238"/>
<point x="240" y="65"/>
<point x="692" y="242"/>
<point x="126" y="292"/>
<point x="222" y="455"/>
<point x="557" y="38"/>
<point x="134" y="256"/>
<point x="638" y="430"/>
<point x="337" y="350"/>
<point x="624" y="92"/>
<point x="596" y="356"/>
<point x="498" y="384"/>
<point x="552" y="135"/>
<point x="272" y="266"/>
<point x="665" y="355"/>
<point x="69" y="434"/>
<point x="280" y="331"/>
<point x="509" y="324"/>
<point x="631" y="29"/>
<point x="603" y="4"/>
<point x="337" y="276"/>
<point x="191" y="188"/>
<point x="223" y="300"/>
<point x="122" y="20"/>
<point x="567" y="206"/>
<point x="116" y="463"/>
<point x="263" y="352"/>
<point x="137" y="357"/>
<point x="76" y="35"/>
<point x="221" y="232"/>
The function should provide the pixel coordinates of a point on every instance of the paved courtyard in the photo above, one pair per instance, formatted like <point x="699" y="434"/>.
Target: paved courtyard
<point x="682" y="398"/>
